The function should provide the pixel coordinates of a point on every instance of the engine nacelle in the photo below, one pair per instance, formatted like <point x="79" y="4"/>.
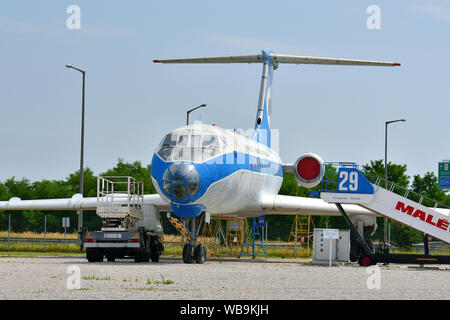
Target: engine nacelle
<point x="308" y="170"/>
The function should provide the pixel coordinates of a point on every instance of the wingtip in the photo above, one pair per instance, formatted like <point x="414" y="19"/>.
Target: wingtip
<point x="396" y="64"/>
<point x="156" y="61"/>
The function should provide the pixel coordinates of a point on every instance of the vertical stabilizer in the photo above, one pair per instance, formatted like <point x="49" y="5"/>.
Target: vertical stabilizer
<point x="262" y="124"/>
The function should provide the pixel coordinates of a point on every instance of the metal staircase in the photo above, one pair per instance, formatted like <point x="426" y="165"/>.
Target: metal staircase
<point x="345" y="183"/>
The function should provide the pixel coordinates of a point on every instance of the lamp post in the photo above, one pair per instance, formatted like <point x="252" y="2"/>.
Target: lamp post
<point x="385" y="167"/>
<point x="83" y="72"/>
<point x="187" y="123"/>
<point x="189" y="111"/>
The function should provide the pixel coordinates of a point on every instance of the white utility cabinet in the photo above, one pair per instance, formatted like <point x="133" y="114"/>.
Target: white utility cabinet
<point x="340" y="247"/>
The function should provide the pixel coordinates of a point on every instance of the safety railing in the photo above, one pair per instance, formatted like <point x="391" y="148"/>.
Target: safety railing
<point x="119" y="195"/>
<point x="408" y="193"/>
<point x="330" y="180"/>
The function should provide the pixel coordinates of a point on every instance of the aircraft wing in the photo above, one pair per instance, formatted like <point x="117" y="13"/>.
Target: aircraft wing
<point x="270" y="205"/>
<point x="289" y="205"/>
<point x="75" y="203"/>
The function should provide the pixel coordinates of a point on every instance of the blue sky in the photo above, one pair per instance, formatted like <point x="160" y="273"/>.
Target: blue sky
<point x="336" y="112"/>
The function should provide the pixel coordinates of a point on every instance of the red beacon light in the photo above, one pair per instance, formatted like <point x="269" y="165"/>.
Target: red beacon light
<point x="308" y="170"/>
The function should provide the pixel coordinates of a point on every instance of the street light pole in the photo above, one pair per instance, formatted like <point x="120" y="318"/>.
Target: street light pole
<point x="187" y="123"/>
<point x="80" y="215"/>
<point x="385" y="168"/>
<point x="189" y="111"/>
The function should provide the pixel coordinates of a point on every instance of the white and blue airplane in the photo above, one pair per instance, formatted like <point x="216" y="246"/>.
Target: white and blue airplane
<point x="203" y="169"/>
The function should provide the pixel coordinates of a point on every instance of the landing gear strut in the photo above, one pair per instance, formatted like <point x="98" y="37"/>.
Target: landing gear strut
<point x="193" y="252"/>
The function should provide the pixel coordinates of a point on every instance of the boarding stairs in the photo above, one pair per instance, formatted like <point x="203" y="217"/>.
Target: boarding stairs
<point x="345" y="183"/>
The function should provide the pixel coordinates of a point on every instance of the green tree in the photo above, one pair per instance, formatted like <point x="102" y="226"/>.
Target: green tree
<point x="19" y="188"/>
<point x="47" y="189"/>
<point x="4" y="195"/>
<point x="396" y="172"/>
<point x="404" y="237"/>
<point x="89" y="184"/>
<point x="135" y="170"/>
<point x="429" y="187"/>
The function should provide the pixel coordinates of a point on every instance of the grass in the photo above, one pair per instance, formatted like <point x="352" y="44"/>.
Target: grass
<point x="174" y="249"/>
<point x="34" y="235"/>
<point x="54" y="248"/>
<point x="17" y="248"/>
<point x="96" y="278"/>
<point x="18" y="254"/>
<point x="441" y="251"/>
<point x="143" y="289"/>
<point x="163" y="281"/>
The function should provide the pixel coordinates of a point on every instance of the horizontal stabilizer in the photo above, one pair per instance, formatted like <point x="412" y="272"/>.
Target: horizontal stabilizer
<point x="280" y="58"/>
<point x="227" y="59"/>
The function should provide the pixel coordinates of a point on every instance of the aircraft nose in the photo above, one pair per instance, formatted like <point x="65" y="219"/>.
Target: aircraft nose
<point x="181" y="181"/>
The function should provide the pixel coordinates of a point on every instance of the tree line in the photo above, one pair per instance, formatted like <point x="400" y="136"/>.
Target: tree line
<point x="279" y="227"/>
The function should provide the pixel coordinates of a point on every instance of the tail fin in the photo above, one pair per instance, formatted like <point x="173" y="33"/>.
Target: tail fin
<point x="262" y="132"/>
<point x="270" y="63"/>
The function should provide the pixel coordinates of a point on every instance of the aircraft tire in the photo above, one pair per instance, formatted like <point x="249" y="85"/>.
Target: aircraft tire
<point x="187" y="256"/>
<point x="154" y="254"/>
<point x="200" y="254"/>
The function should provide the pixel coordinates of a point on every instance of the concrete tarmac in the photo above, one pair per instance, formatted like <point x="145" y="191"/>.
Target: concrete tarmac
<point x="74" y="278"/>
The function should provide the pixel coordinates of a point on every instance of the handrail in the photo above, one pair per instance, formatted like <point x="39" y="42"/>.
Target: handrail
<point x="331" y="169"/>
<point x="408" y="192"/>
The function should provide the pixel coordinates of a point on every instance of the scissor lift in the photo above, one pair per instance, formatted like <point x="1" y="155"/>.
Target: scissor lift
<point x="120" y="202"/>
<point x="345" y="183"/>
<point x="130" y="229"/>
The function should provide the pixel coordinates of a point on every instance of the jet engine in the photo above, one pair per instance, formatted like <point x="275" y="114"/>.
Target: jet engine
<point x="308" y="170"/>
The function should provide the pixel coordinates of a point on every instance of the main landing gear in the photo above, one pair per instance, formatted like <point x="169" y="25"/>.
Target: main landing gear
<point x="193" y="252"/>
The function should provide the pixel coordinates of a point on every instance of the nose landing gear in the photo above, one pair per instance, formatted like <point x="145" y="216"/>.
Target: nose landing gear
<point x="193" y="252"/>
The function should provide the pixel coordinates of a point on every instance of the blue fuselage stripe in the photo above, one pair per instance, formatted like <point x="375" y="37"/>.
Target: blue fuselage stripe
<point x="216" y="169"/>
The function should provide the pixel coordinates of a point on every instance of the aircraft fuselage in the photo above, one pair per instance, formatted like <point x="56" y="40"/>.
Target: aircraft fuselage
<point x="202" y="167"/>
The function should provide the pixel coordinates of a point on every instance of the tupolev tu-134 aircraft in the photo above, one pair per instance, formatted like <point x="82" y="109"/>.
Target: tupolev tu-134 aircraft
<point x="203" y="169"/>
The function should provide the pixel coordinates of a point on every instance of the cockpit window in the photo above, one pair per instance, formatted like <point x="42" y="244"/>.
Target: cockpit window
<point x="183" y="140"/>
<point x="224" y="142"/>
<point x="210" y="141"/>
<point x="169" y="141"/>
<point x="189" y="147"/>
